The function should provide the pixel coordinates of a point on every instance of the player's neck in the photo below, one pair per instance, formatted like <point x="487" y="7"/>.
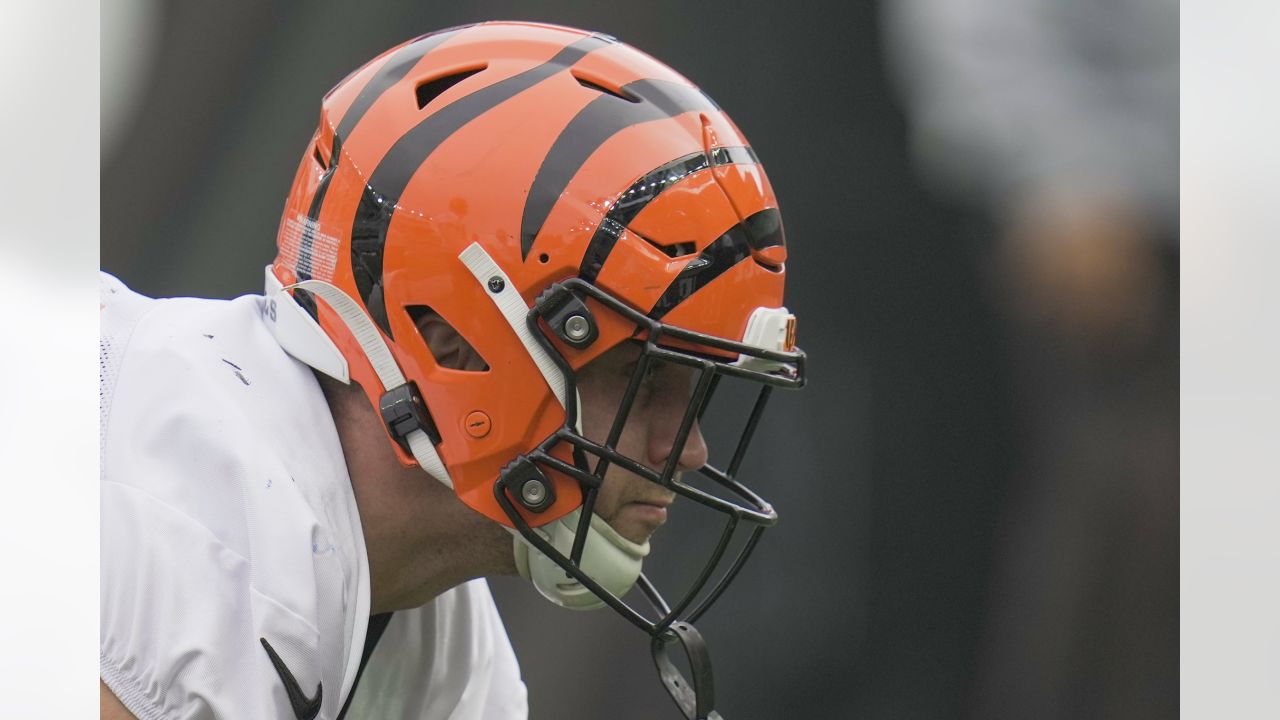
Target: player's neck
<point x="420" y="538"/>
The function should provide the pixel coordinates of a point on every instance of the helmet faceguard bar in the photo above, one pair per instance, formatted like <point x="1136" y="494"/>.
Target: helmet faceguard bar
<point x="784" y="369"/>
<point x="791" y="364"/>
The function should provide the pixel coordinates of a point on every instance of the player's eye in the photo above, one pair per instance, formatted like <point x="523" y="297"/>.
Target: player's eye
<point x="652" y="371"/>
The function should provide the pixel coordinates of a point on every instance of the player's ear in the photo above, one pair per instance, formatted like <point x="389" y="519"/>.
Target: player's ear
<point x="450" y="349"/>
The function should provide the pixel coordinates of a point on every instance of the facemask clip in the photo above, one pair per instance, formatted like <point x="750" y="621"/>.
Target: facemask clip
<point x="528" y="485"/>
<point x="568" y="316"/>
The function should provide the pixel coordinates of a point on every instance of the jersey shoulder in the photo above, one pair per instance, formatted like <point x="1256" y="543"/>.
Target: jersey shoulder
<point x="222" y="526"/>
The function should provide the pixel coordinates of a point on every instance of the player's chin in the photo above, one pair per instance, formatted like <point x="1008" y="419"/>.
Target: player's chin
<point x="638" y="521"/>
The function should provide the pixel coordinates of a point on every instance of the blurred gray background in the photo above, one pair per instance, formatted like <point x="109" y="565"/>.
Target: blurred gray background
<point x="979" y="490"/>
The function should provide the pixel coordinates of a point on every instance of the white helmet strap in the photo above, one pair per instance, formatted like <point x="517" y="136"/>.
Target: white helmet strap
<point x="371" y="344"/>
<point x="299" y="334"/>
<point x="610" y="559"/>
<point x="507" y="298"/>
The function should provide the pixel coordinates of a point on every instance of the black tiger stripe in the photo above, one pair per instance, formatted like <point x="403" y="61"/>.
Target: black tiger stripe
<point x="391" y="176"/>
<point x="726" y="251"/>
<point x="391" y="72"/>
<point x="628" y="205"/>
<point x="595" y="123"/>
<point x="644" y="191"/>
<point x="734" y="155"/>
<point x="306" y="247"/>
<point x="313" y="213"/>
<point x="764" y="229"/>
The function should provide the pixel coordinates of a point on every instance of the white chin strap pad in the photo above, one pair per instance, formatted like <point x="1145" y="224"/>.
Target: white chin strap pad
<point x="608" y="558"/>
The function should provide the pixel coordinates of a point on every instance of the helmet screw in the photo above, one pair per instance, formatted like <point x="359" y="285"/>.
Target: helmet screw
<point x="533" y="492"/>
<point x="496" y="284"/>
<point x="576" y="327"/>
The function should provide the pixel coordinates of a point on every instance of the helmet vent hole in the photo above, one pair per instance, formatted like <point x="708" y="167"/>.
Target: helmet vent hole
<point x="544" y="258"/>
<point x="319" y="157"/>
<point x="449" y="348"/>
<point x="593" y="85"/>
<point x="675" y="250"/>
<point x="432" y="89"/>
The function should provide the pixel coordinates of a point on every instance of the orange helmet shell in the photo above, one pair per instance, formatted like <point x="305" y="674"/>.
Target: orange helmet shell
<point x="562" y="153"/>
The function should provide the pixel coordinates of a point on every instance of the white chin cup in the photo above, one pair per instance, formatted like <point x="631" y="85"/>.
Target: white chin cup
<point x="608" y="558"/>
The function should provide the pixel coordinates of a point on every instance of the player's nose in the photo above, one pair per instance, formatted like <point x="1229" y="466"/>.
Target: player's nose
<point x="663" y="431"/>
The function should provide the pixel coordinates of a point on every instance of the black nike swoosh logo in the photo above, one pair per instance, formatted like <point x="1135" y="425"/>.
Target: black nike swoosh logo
<point x="304" y="707"/>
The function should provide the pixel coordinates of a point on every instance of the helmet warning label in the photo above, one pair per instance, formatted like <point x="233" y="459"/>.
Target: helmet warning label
<point x="310" y="252"/>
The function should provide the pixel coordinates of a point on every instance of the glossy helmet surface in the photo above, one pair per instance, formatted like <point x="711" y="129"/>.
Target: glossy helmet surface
<point x="571" y="167"/>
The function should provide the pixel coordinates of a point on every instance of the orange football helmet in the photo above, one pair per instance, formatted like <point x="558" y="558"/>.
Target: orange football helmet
<point x="549" y="193"/>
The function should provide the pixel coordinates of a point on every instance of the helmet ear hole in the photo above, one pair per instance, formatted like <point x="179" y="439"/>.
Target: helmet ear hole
<point x="449" y="348"/>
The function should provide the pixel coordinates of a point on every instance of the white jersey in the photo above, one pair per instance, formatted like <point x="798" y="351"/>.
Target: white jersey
<point x="234" y="577"/>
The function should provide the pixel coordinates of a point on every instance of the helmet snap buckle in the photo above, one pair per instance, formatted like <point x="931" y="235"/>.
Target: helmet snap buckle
<point x="403" y="412"/>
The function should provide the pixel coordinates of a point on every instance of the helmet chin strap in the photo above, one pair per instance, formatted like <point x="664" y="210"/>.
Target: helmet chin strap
<point x="375" y="349"/>
<point x="608" y="558"/>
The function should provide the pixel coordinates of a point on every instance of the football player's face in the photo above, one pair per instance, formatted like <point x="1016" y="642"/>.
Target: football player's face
<point x="636" y="507"/>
